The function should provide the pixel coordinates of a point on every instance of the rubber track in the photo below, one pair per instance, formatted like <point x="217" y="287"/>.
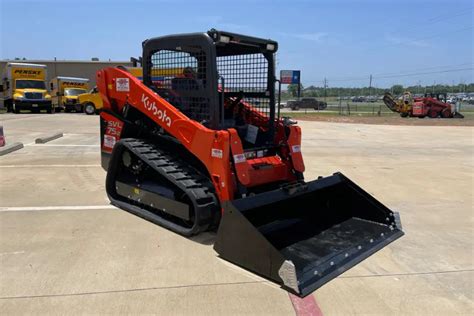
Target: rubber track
<point x="196" y="186"/>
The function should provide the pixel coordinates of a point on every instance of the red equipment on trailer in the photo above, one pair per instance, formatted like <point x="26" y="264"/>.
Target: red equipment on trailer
<point x="432" y="105"/>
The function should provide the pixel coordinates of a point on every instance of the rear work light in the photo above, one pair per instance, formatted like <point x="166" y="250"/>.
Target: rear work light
<point x="270" y="47"/>
<point x="224" y="39"/>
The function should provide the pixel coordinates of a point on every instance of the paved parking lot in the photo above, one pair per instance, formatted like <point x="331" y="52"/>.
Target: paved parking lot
<point x="64" y="249"/>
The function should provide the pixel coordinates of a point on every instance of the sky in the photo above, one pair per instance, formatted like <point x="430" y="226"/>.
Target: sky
<point x="397" y="42"/>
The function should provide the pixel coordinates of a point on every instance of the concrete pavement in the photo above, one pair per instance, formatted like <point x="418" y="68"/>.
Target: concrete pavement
<point x="425" y="173"/>
<point x="98" y="259"/>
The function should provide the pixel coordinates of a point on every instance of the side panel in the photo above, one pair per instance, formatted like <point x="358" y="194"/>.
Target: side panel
<point x="7" y="81"/>
<point x="74" y="84"/>
<point x="26" y="72"/>
<point x="54" y="88"/>
<point x="418" y="109"/>
<point x="110" y="133"/>
<point x="294" y="142"/>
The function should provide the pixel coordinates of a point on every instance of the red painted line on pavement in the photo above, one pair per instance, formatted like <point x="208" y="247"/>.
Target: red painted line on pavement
<point x="305" y="306"/>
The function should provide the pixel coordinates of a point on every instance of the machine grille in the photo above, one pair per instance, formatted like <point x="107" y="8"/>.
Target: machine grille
<point x="34" y="95"/>
<point x="180" y="78"/>
<point x="247" y="74"/>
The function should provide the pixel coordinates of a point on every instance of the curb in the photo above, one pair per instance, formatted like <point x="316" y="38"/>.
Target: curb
<point x="10" y="148"/>
<point x="42" y="140"/>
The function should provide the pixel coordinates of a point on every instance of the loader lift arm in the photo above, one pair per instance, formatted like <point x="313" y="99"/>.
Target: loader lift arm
<point x="198" y="145"/>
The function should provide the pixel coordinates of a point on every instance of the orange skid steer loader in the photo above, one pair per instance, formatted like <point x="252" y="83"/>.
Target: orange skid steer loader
<point x="199" y="145"/>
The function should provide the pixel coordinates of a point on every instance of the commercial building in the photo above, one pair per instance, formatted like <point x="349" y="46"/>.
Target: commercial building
<point x="70" y="68"/>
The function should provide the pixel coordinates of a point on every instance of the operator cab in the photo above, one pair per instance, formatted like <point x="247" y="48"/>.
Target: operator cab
<point x="220" y="79"/>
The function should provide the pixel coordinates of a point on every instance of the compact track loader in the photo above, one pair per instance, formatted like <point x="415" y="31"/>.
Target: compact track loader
<point x="198" y="145"/>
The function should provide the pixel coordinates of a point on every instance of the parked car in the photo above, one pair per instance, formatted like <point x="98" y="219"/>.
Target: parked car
<point x="371" y="99"/>
<point x="306" y="103"/>
<point x="358" y="99"/>
<point x="452" y="100"/>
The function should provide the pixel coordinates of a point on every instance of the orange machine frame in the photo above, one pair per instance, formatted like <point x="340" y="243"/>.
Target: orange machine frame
<point x="214" y="148"/>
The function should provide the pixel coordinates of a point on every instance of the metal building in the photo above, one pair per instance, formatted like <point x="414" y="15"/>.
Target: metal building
<point x="71" y="68"/>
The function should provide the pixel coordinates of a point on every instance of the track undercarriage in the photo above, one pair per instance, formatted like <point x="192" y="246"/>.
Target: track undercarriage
<point x="148" y="180"/>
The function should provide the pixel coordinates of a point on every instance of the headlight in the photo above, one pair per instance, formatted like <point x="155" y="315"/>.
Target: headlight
<point x="270" y="47"/>
<point x="224" y="39"/>
<point x="18" y="97"/>
<point x="47" y="96"/>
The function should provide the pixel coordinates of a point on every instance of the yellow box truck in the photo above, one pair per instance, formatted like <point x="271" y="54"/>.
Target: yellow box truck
<point x="24" y="87"/>
<point x="65" y="92"/>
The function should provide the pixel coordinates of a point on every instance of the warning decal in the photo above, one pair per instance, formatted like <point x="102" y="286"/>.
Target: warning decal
<point x="109" y="141"/>
<point x="122" y="84"/>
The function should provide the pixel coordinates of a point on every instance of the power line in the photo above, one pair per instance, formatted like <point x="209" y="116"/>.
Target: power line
<point x="425" y="73"/>
<point x="423" y="38"/>
<point x="450" y="16"/>
<point x="430" y="21"/>
<point x="381" y="76"/>
<point x="402" y="75"/>
<point x="426" y="68"/>
<point x="365" y="77"/>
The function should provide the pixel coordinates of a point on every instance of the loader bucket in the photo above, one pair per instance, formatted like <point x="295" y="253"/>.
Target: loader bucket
<point x="304" y="235"/>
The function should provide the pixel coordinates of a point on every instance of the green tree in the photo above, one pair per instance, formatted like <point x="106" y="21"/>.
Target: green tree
<point x="397" y="89"/>
<point x="293" y="89"/>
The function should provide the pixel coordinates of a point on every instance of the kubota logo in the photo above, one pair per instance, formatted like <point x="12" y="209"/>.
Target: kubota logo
<point x="151" y="106"/>
<point x="27" y="72"/>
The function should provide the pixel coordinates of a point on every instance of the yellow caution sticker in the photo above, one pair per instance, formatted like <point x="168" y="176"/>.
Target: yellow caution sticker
<point x="136" y="190"/>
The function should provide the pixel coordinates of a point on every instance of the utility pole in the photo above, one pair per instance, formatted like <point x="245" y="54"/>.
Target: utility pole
<point x="370" y="86"/>
<point x="55" y="65"/>
<point x="325" y="89"/>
